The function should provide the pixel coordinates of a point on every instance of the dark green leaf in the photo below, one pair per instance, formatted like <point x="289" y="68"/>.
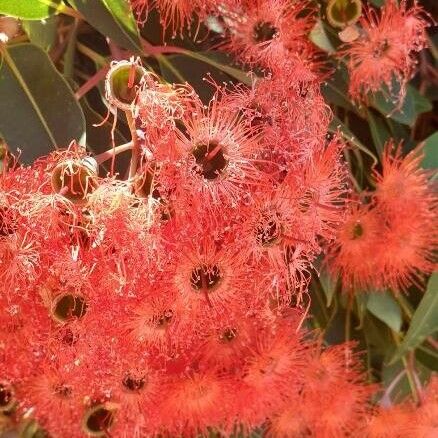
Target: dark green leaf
<point x="428" y="356"/>
<point x="425" y="319"/>
<point x="378" y="335"/>
<point x="384" y="307"/>
<point x="30" y="9"/>
<point x="413" y="105"/>
<point x="335" y="90"/>
<point x="114" y="19"/>
<point x="41" y="32"/>
<point x="222" y="62"/>
<point x="328" y="285"/>
<point x="194" y="67"/>
<point x="361" y="306"/>
<point x="430" y="160"/>
<point x="38" y="111"/>
<point x="318" y="303"/>
<point x="379" y="131"/>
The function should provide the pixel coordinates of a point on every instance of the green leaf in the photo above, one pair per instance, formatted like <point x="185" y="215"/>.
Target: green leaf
<point x="221" y="61"/>
<point x="427" y="356"/>
<point x="318" y="305"/>
<point x="329" y="285"/>
<point x="335" y="90"/>
<point x="425" y="320"/>
<point x="38" y="111"/>
<point x="41" y="32"/>
<point x="378" y="335"/>
<point x="361" y="307"/>
<point x="114" y="19"/>
<point x="384" y="307"/>
<point x="194" y="67"/>
<point x="379" y="131"/>
<point x="30" y="9"/>
<point x="319" y="37"/>
<point x="430" y="160"/>
<point x="413" y="105"/>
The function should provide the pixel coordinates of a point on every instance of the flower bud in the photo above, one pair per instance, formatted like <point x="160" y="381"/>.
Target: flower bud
<point x="75" y="178"/>
<point x="342" y="13"/>
<point x="122" y="82"/>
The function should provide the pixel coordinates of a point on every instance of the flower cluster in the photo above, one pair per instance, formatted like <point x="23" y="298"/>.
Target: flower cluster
<point x="170" y="302"/>
<point x="389" y="238"/>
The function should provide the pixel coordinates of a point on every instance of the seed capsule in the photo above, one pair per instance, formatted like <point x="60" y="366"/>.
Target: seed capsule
<point x="122" y="82"/>
<point x="75" y="179"/>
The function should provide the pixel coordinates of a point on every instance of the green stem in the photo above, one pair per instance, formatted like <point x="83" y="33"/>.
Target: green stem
<point x="405" y="305"/>
<point x="98" y="59"/>
<point x="409" y="371"/>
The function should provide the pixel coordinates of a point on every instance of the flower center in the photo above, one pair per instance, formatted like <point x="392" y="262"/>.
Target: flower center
<point x="210" y="159"/>
<point x="268" y="230"/>
<point x="264" y="31"/>
<point x="124" y="81"/>
<point x="380" y="49"/>
<point x="357" y="231"/>
<point x="62" y="390"/>
<point x="228" y="335"/>
<point x="205" y="277"/>
<point x="134" y="383"/>
<point x="164" y="319"/>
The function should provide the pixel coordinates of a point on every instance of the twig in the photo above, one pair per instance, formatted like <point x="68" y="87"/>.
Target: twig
<point x="91" y="82"/>
<point x="104" y="156"/>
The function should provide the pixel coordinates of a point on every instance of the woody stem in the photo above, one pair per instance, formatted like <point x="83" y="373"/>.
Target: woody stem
<point x="104" y="156"/>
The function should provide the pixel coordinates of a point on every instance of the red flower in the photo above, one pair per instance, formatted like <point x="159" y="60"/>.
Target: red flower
<point x="265" y="32"/>
<point x="385" y="51"/>
<point x="409" y="208"/>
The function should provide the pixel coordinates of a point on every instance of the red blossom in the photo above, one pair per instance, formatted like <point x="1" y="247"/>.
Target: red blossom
<point x="385" y="51"/>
